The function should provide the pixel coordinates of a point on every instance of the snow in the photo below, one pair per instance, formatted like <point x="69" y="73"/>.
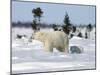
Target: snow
<point x="30" y="57"/>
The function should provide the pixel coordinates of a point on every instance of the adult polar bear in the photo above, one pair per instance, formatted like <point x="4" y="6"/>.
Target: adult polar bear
<point x="53" y="39"/>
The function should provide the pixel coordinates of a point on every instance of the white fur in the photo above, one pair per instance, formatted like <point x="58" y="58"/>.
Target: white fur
<point x="53" y="39"/>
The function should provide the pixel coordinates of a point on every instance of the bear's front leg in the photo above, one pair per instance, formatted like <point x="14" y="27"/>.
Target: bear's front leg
<point x="66" y="50"/>
<point x="66" y="46"/>
<point x="48" y="47"/>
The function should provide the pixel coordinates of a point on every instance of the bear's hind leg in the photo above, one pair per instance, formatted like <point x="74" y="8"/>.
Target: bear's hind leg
<point x="66" y="50"/>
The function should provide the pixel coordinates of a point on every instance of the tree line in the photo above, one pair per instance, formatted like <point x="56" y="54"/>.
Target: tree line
<point x="36" y="24"/>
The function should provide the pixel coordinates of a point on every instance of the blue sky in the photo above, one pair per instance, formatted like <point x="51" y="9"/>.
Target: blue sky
<point x="53" y="13"/>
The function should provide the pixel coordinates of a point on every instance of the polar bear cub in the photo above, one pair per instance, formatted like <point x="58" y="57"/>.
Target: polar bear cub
<point x="53" y="39"/>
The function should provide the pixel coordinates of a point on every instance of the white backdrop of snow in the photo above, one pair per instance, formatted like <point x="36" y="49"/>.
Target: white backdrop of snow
<point x="30" y="57"/>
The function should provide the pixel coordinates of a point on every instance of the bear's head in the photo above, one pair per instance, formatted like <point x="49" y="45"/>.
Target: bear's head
<point x="39" y="36"/>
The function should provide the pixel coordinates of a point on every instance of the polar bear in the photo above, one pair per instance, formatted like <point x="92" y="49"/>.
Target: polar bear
<point x="53" y="39"/>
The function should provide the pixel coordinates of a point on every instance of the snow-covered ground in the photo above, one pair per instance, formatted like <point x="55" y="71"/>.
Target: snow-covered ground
<point x="30" y="57"/>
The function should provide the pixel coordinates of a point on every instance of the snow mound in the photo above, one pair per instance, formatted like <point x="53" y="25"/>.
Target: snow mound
<point x="75" y="37"/>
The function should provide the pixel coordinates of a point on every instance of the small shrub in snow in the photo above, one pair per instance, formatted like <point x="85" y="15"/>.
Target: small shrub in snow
<point x="71" y="35"/>
<point x="80" y="34"/>
<point x="86" y="36"/>
<point x="55" y="27"/>
<point x="60" y="29"/>
<point x="66" y="29"/>
<point x="89" y="27"/>
<point x="20" y="36"/>
<point x="74" y="29"/>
